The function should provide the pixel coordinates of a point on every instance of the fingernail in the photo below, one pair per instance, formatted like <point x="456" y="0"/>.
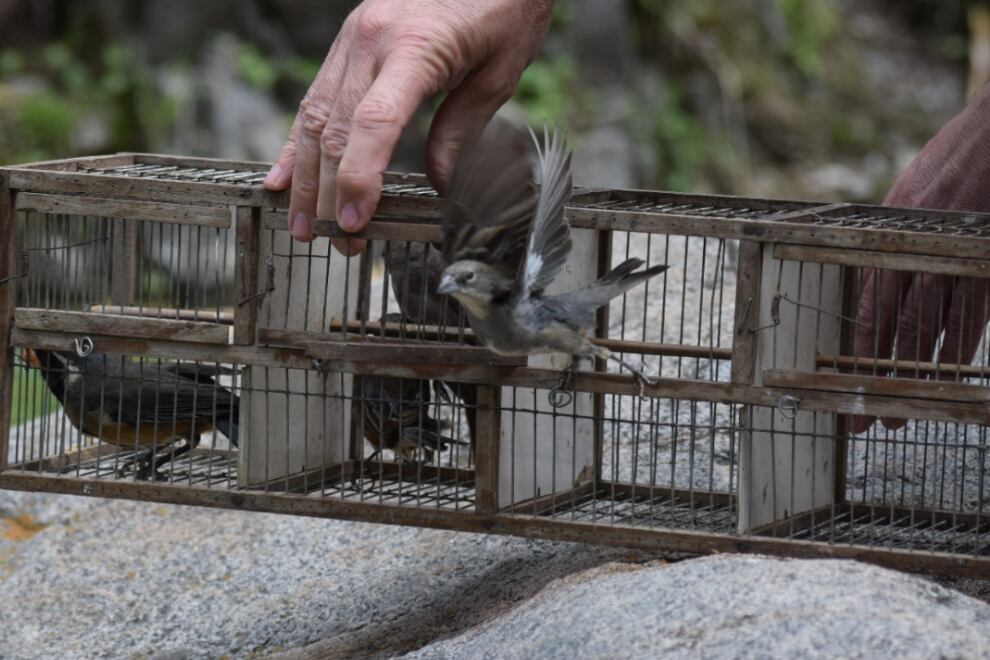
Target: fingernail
<point x="349" y="219"/>
<point x="273" y="175"/>
<point x="302" y="226"/>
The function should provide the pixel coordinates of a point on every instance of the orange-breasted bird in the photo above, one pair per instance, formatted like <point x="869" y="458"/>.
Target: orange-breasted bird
<point x="143" y="405"/>
<point x="394" y="413"/>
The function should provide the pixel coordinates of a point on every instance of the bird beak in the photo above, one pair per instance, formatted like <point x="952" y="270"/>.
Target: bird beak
<point x="447" y="285"/>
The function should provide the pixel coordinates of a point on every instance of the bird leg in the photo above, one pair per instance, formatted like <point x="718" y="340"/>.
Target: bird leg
<point x="637" y="372"/>
<point x="169" y="457"/>
<point x="562" y="395"/>
<point x="142" y="460"/>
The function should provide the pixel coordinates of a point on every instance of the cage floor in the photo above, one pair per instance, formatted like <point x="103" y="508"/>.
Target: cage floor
<point x="636" y="505"/>
<point x="365" y="481"/>
<point x="900" y="529"/>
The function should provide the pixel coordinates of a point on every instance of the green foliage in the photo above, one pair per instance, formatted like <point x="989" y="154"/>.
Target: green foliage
<point x="32" y="397"/>
<point x="110" y="85"/>
<point x="301" y="70"/>
<point x="682" y="143"/>
<point x="811" y="23"/>
<point x="255" y="68"/>
<point x="44" y="123"/>
<point x="549" y="91"/>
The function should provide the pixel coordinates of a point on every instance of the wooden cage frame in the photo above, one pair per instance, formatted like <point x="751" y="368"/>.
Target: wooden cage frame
<point x="790" y="230"/>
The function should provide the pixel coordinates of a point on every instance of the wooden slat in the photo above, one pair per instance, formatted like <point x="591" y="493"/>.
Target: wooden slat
<point x="125" y="251"/>
<point x="375" y="330"/>
<point x="73" y="164"/>
<point x="129" y="209"/>
<point x="88" y="323"/>
<point x="246" y="273"/>
<point x="8" y="289"/>
<point x="879" y="386"/>
<point x="211" y="315"/>
<point x="651" y="539"/>
<point x="744" y="340"/>
<point x="486" y="448"/>
<point x="136" y="188"/>
<point x="524" y="377"/>
<point x="797" y="229"/>
<point x="793" y="231"/>
<point x="380" y="229"/>
<point x="405" y="353"/>
<point x="944" y="265"/>
<point x="868" y="365"/>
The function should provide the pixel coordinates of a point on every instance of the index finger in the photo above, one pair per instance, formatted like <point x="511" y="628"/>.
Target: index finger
<point x="378" y="122"/>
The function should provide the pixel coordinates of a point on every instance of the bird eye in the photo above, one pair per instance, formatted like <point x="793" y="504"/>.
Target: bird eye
<point x="469" y="277"/>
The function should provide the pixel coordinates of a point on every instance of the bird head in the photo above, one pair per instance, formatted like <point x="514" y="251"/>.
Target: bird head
<point x="472" y="282"/>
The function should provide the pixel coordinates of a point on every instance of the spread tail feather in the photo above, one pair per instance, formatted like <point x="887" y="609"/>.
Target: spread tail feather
<point x="625" y="277"/>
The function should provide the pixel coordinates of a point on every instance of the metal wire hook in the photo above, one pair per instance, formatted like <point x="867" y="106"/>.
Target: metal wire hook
<point x="84" y="346"/>
<point x="788" y="405"/>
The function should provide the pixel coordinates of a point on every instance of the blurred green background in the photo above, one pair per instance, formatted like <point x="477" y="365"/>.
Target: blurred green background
<point x="824" y="99"/>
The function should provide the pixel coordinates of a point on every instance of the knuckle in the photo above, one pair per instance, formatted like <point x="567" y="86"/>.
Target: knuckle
<point x="374" y="114"/>
<point x="333" y="142"/>
<point x="369" y="24"/>
<point x="304" y="188"/>
<point x="358" y="181"/>
<point x="313" y="117"/>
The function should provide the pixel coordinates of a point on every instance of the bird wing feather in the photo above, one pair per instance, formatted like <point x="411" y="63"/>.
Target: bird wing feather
<point x="491" y="201"/>
<point x="550" y="238"/>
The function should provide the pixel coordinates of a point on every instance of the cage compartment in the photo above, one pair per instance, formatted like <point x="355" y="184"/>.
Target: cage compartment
<point x="100" y="270"/>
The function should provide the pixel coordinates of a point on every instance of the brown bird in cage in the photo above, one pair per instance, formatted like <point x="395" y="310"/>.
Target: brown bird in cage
<point x="147" y="407"/>
<point x="394" y="414"/>
<point x="416" y="269"/>
<point x="506" y="242"/>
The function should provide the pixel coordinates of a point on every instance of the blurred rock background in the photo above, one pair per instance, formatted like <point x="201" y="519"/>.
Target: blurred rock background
<point x="822" y="99"/>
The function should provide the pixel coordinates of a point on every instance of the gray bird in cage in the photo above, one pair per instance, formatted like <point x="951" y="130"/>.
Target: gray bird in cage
<point x="506" y="242"/>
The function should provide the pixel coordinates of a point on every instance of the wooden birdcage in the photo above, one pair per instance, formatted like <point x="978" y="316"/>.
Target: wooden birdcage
<point x="166" y="273"/>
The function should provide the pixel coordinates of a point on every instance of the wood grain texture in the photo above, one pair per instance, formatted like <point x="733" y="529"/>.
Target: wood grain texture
<point x="944" y="265"/>
<point x="90" y="323"/>
<point x="246" y="273"/>
<point x="486" y="449"/>
<point x="651" y="539"/>
<point x="125" y="209"/>
<point x="747" y="306"/>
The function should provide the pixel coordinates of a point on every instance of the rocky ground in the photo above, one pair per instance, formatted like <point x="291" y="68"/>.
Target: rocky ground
<point x="85" y="578"/>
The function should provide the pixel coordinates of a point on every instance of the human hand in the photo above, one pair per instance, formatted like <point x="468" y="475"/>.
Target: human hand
<point x="387" y="58"/>
<point x="910" y="312"/>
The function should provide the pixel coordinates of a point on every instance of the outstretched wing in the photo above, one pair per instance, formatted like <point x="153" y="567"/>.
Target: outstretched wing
<point x="491" y="200"/>
<point x="550" y="240"/>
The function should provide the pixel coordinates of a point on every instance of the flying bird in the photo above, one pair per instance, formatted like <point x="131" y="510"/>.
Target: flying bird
<point x="147" y="407"/>
<point x="505" y="242"/>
